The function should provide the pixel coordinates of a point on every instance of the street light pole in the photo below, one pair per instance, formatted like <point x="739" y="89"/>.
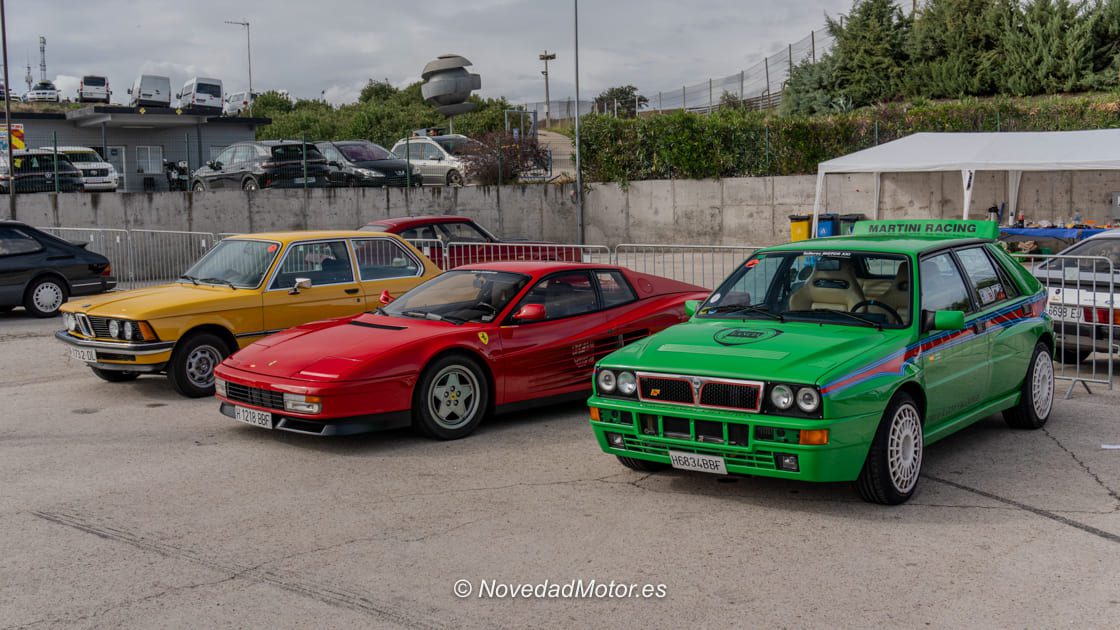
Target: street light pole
<point x="8" y="116"/>
<point x="546" y="57"/>
<point x="249" y="51"/>
<point x="579" y="171"/>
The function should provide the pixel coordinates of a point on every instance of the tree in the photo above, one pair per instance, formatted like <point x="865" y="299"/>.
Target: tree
<point x="869" y="54"/>
<point x="953" y="48"/>
<point x="810" y="90"/>
<point x="625" y="96"/>
<point x="377" y="91"/>
<point x="1047" y="47"/>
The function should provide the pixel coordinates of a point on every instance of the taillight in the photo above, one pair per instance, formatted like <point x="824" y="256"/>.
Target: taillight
<point x="1102" y="315"/>
<point x="269" y="164"/>
<point x="108" y="271"/>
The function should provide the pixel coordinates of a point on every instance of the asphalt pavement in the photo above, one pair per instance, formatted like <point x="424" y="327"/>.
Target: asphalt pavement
<point x="124" y="505"/>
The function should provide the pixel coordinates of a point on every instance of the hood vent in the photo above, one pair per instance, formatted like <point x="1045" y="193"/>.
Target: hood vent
<point x="377" y="326"/>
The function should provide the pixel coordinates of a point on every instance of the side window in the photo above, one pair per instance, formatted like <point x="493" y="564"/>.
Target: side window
<point x="330" y="153"/>
<point x="564" y="295"/>
<point x="245" y="153"/>
<point x="381" y="258"/>
<point x="431" y="152"/>
<point x="942" y="286"/>
<point x="987" y="283"/>
<point x="226" y="156"/>
<point x="325" y="262"/>
<point x="614" y="288"/>
<point x="463" y="233"/>
<point x="423" y="232"/>
<point x="13" y="241"/>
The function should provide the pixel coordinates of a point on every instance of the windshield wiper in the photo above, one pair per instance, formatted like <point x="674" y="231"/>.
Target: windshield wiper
<point x="219" y="281"/>
<point x="734" y="308"/>
<point x="193" y="279"/>
<point x="862" y="320"/>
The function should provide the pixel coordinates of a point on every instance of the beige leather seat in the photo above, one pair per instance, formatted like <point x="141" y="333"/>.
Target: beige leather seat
<point x="897" y="296"/>
<point x="834" y="290"/>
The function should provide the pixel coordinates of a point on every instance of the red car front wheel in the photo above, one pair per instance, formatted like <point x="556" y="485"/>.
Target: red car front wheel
<point x="451" y="398"/>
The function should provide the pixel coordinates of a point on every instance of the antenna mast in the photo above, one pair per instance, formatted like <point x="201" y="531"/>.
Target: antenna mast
<point x="42" y="58"/>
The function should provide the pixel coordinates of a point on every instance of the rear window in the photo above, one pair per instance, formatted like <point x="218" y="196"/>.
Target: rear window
<point x="288" y="152"/>
<point x="209" y="89"/>
<point x="93" y="81"/>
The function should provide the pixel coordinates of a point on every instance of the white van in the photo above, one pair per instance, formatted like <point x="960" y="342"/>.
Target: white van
<point x="203" y="94"/>
<point x="236" y="103"/>
<point x="150" y="91"/>
<point x="94" y="89"/>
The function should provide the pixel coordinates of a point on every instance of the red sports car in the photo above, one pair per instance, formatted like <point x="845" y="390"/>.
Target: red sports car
<point x="465" y="242"/>
<point x="481" y="339"/>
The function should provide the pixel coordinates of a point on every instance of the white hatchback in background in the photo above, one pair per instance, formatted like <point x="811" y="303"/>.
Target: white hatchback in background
<point x="202" y="94"/>
<point x="43" y="92"/>
<point x="236" y="103"/>
<point x="97" y="174"/>
<point x="94" y="89"/>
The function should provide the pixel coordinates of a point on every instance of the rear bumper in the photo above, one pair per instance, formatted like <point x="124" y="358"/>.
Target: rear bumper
<point x="91" y="287"/>
<point x="1074" y="336"/>
<point x="839" y="460"/>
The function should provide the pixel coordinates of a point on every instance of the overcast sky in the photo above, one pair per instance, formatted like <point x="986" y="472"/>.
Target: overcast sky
<point x="337" y="45"/>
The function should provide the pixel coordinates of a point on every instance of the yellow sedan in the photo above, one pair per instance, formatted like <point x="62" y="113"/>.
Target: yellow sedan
<point x="246" y="287"/>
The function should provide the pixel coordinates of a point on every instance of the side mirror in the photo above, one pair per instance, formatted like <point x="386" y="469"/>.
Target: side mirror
<point x="530" y="313"/>
<point x="301" y="283"/>
<point x="214" y="165"/>
<point x="385" y="297"/>
<point x="943" y="320"/>
<point x="334" y="163"/>
<point x="691" y="306"/>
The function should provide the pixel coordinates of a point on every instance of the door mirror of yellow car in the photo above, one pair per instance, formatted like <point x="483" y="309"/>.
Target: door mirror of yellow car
<point x="690" y="307"/>
<point x="385" y="297"/>
<point x="301" y="283"/>
<point x="530" y="313"/>
<point x="942" y="320"/>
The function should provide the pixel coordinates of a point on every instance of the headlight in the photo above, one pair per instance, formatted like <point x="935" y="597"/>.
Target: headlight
<point x="128" y="330"/>
<point x="415" y="170"/>
<point x="369" y="173"/>
<point x="782" y="397"/>
<point x="70" y="321"/>
<point x="627" y="383"/>
<point x="219" y="386"/>
<point x="302" y="404"/>
<point x="808" y="400"/>
<point x="114" y="328"/>
<point x="606" y="381"/>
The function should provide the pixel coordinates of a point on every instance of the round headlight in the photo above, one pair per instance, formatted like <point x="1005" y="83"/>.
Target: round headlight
<point x="782" y="397"/>
<point x="606" y="381"/>
<point x="627" y="383"/>
<point x="114" y="328"/>
<point x="128" y="330"/>
<point x="808" y="400"/>
<point x="70" y="321"/>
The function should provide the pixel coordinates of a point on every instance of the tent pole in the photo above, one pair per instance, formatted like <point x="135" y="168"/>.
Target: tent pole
<point x="967" y="180"/>
<point x="1014" y="178"/>
<point x="817" y="202"/>
<point x="878" y="183"/>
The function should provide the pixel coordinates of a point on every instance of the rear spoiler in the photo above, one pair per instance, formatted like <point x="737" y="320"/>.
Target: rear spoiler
<point x="82" y="244"/>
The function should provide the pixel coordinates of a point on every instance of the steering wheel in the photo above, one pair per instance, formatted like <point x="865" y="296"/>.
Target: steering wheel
<point x="487" y="305"/>
<point x="886" y="307"/>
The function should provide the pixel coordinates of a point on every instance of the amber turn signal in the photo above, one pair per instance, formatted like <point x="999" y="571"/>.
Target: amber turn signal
<point x="595" y="414"/>
<point x="814" y="437"/>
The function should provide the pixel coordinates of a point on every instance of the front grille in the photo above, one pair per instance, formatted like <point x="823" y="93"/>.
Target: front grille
<point x="671" y="390"/>
<point x="100" y="326"/>
<point x="731" y="396"/>
<point x="254" y="396"/>
<point x="95" y="172"/>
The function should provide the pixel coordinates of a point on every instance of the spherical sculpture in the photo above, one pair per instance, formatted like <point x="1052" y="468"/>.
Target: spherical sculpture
<point x="448" y="85"/>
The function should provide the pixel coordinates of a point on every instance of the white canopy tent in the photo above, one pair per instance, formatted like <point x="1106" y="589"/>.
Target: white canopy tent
<point x="1014" y="152"/>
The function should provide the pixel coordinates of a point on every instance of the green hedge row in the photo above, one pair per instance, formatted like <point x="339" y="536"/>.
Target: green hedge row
<point x="738" y="143"/>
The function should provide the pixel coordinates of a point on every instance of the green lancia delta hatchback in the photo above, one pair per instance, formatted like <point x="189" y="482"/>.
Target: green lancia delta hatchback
<point x="836" y="359"/>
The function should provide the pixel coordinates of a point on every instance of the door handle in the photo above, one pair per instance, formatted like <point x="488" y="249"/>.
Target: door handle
<point x="351" y="291"/>
<point x="979" y="327"/>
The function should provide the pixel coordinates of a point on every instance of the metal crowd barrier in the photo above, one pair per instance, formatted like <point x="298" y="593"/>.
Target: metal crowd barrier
<point x="703" y="265"/>
<point x="1080" y="292"/>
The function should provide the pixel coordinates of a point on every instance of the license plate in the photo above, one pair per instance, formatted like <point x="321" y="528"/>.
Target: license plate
<point x="256" y="418"/>
<point x="303" y="180"/>
<point x="1064" y="312"/>
<point x="83" y="354"/>
<point x="699" y="463"/>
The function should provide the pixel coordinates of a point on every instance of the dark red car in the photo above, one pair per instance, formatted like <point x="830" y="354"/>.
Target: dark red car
<point x="453" y="241"/>
<point x="481" y="339"/>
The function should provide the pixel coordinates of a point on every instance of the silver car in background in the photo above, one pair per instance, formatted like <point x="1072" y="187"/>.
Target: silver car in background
<point x="97" y="174"/>
<point x="436" y="156"/>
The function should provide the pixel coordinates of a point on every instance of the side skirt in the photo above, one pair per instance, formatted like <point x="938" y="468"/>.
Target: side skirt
<point x="972" y="416"/>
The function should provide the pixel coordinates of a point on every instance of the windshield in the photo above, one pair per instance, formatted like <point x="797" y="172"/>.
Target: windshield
<point x="834" y="287"/>
<point x="236" y="262"/>
<point x="93" y="81"/>
<point x="1108" y="248"/>
<point x="460" y="296"/>
<point x="365" y="152"/>
<point x="80" y="157"/>
<point x="209" y="89"/>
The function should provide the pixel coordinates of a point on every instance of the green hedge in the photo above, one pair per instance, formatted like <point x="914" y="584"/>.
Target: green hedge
<point x="738" y="143"/>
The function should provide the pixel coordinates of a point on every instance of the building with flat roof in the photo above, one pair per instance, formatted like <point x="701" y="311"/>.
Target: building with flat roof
<point x="136" y="141"/>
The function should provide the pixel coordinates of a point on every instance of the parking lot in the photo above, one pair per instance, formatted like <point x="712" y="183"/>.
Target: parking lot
<point x="126" y="505"/>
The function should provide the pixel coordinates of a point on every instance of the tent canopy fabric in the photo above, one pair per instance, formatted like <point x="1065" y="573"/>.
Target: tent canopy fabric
<point x="1014" y="152"/>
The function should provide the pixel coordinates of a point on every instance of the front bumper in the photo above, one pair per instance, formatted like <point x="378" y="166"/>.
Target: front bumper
<point x="147" y="356"/>
<point x="282" y="421"/>
<point x="98" y="184"/>
<point x="839" y="460"/>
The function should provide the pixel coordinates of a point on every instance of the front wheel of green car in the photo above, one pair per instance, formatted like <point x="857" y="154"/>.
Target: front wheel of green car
<point x="641" y="465"/>
<point x="890" y="473"/>
<point x="1037" y="396"/>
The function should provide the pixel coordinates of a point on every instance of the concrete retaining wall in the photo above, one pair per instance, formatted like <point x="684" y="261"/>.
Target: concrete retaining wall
<point x="744" y="211"/>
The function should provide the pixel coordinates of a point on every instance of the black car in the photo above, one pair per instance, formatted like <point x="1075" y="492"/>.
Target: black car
<point x="36" y="172"/>
<point x="39" y="271"/>
<point x="363" y="163"/>
<point x="264" y="164"/>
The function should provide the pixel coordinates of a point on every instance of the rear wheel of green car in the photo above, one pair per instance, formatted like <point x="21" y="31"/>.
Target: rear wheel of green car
<point x="1037" y="395"/>
<point x="890" y="473"/>
<point x="641" y="465"/>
